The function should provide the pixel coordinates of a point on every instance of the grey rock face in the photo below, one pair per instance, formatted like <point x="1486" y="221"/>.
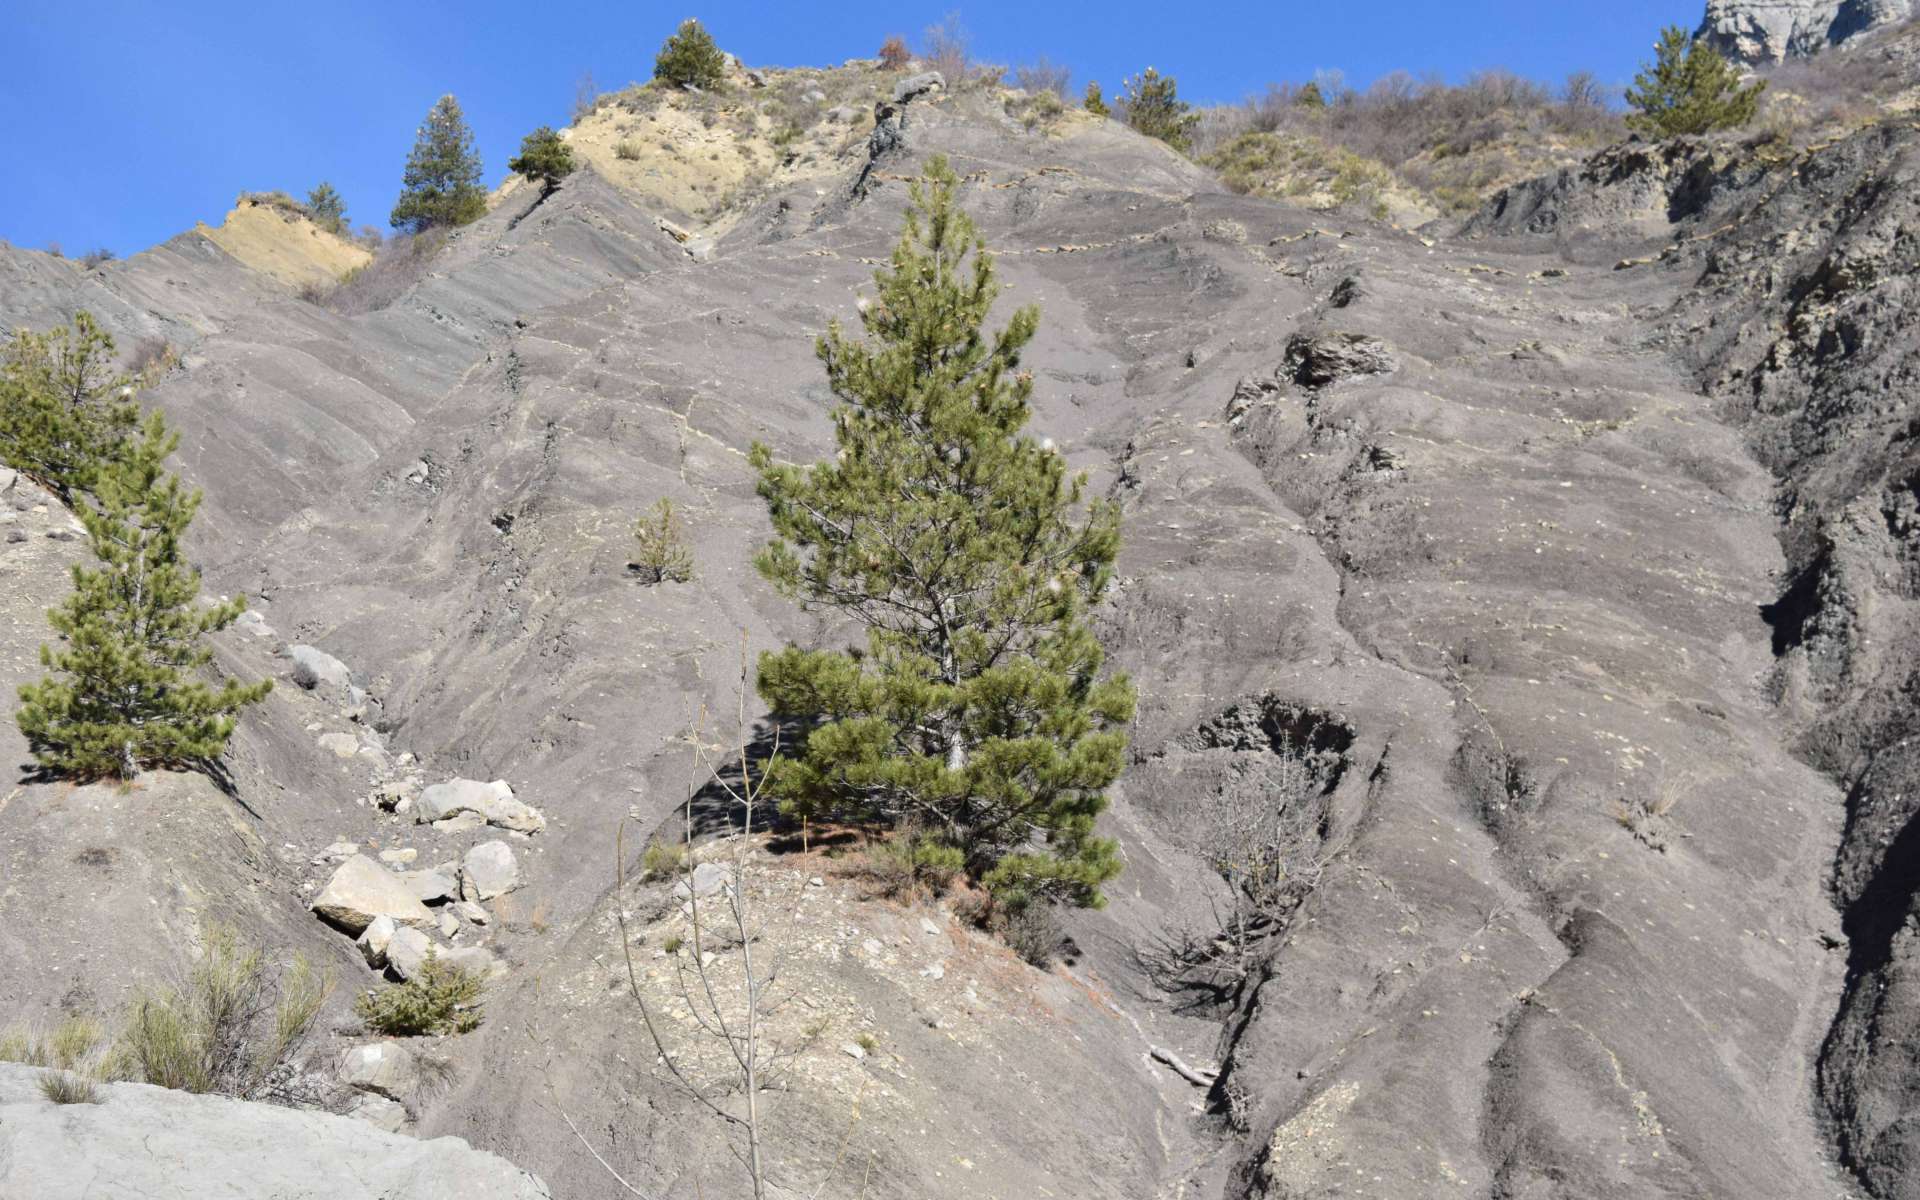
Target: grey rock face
<point x="385" y="1067"/>
<point x="1769" y="31"/>
<point x="1316" y="360"/>
<point x="318" y="671"/>
<point x="167" y="1145"/>
<point x="915" y="86"/>
<point x="407" y="951"/>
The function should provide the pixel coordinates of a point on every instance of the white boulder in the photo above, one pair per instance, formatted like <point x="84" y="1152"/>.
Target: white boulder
<point x="362" y="890"/>
<point x="492" y="802"/>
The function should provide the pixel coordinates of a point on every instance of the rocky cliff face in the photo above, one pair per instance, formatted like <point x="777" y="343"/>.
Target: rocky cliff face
<point x="1467" y="552"/>
<point x="1769" y="31"/>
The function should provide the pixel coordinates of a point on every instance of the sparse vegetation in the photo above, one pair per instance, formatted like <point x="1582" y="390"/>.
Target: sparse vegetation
<point x="327" y="209"/>
<point x="948" y="49"/>
<point x="690" y="58"/>
<point x="124" y="692"/>
<point x="65" y="414"/>
<point x="545" y="159"/>
<point x="976" y="707"/>
<point x="662" y="860"/>
<point x="1043" y="75"/>
<point x="663" y="553"/>
<point x="1031" y="928"/>
<point x="441" y="998"/>
<point x="233" y="1027"/>
<point x="64" y="1087"/>
<point x="1689" y="89"/>
<point x="627" y="151"/>
<point x="1093" y="102"/>
<point x="586" y="97"/>
<point x="912" y="864"/>
<point x="441" y="185"/>
<point x="100" y="256"/>
<point x="1152" y="105"/>
<point x="77" y="1051"/>
<point x="398" y="264"/>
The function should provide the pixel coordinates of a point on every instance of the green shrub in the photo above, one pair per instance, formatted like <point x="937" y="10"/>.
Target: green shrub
<point x="232" y="1027"/>
<point x="627" y="152"/>
<point x="1154" y="107"/>
<point x="1689" y="89"/>
<point x="1095" y="103"/>
<point x="690" y="58"/>
<point x="441" y="998"/>
<point x="663" y="553"/>
<point x="70" y="1047"/>
<point x="545" y="159"/>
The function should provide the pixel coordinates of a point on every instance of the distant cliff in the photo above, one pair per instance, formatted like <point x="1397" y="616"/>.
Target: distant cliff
<point x="1767" y="31"/>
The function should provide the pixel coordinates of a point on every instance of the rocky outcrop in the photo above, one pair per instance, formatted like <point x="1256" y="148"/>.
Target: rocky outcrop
<point x="493" y="803"/>
<point x="1769" y="31"/>
<point x="168" y="1145"/>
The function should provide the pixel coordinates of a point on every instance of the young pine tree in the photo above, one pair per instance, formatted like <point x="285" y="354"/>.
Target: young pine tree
<point x="124" y="692"/>
<point x="690" y="58"/>
<point x="976" y="708"/>
<point x="1095" y="103"/>
<point x="545" y="159"/>
<point x="1689" y="89"/>
<point x="441" y="186"/>
<point x="64" y="410"/>
<point x="1154" y="107"/>
<point x="328" y="210"/>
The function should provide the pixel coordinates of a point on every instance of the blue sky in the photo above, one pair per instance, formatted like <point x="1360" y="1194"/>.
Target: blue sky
<point x="129" y="120"/>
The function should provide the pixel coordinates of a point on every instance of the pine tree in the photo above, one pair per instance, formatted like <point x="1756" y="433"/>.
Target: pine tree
<point x="545" y="159"/>
<point x="976" y="708"/>
<point x="64" y="410"/>
<point x="441" y="186"/>
<point x="124" y="694"/>
<point x="690" y="58"/>
<point x="1096" y="103"/>
<point x="1689" y="89"/>
<point x="1154" y="107"/>
<point x="326" y="208"/>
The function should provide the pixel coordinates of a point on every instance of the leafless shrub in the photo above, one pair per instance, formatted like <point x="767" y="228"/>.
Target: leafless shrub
<point x="152" y="358"/>
<point x="948" y="49"/>
<point x="100" y="256"/>
<point x="1042" y="75"/>
<point x="586" y="97"/>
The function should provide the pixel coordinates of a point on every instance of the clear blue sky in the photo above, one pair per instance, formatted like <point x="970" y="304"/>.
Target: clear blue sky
<point x="129" y="120"/>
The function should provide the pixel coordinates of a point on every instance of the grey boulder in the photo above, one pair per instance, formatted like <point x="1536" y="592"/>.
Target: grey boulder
<point x="492" y="802"/>
<point x="362" y="890"/>
<point x="490" y="870"/>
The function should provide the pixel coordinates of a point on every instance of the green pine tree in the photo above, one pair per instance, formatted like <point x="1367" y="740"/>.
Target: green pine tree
<point x="545" y="159"/>
<point x="690" y="58"/>
<point x="64" y="410"/>
<point x="976" y="708"/>
<point x="1689" y="89"/>
<point x="1154" y="107"/>
<point x="327" y="209"/>
<point x="124" y="692"/>
<point x="1096" y="103"/>
<point x="441" y="185"/>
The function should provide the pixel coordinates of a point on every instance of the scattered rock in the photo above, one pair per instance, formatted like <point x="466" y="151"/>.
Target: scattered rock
<point x="491" y="870"/>
<point x="340" y="745"/>
<point x="471" y="912"/>
<point x="316" y="670"/>
<point x="476" y="959"/>
<point x="251" y="622"/>
<point x="464" y="822"/>
<point x="407" y="951"/>
<point x="449" y="924"/>
<point x="361" y="890"/>
<point x="708" y="878"/>
<point x="432" y="886"/>
<point x="387" y="1068"/>
<point x="400" y="857"/>
<point x="492" y="802"/>
<point x="853" y="1050"/>
<point x="379" y="1112"/>
<point x="374" y="940"/>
